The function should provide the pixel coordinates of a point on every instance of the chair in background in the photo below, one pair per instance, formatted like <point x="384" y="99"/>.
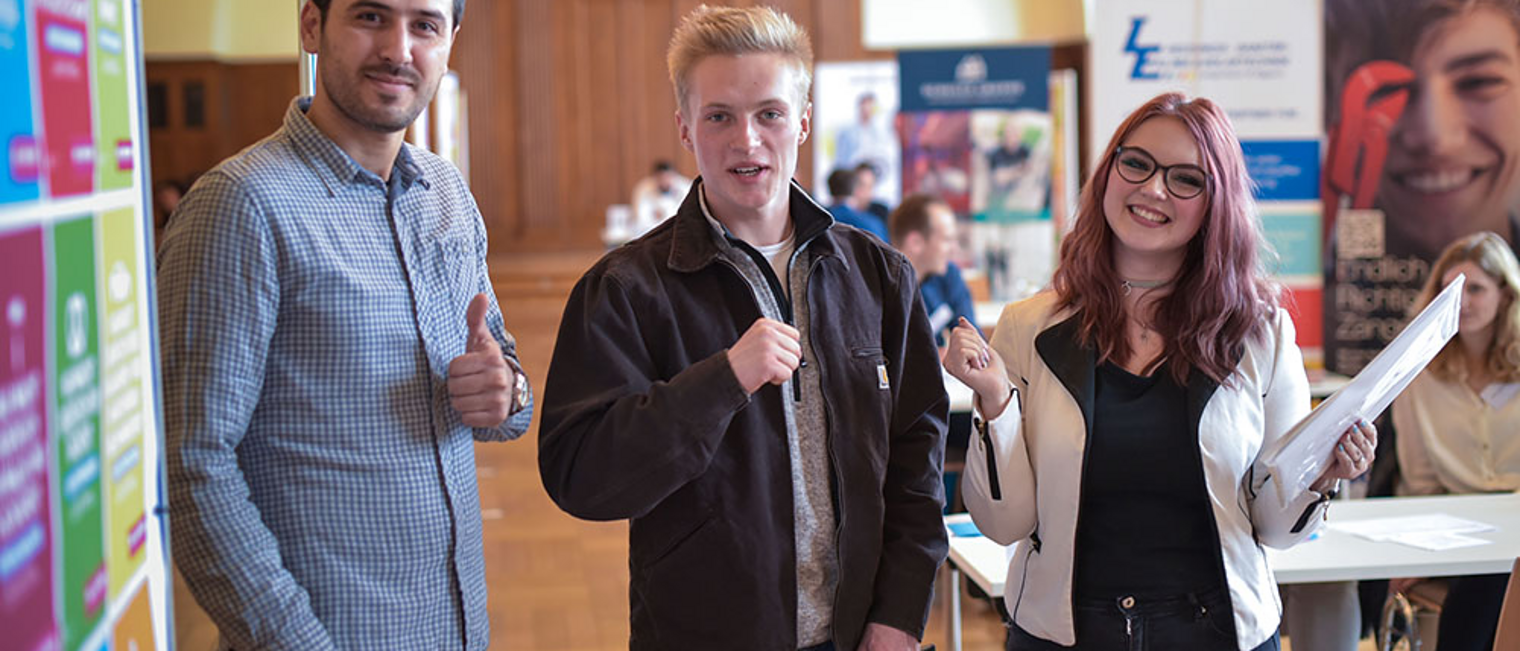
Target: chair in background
<point x="1507" y="638"/>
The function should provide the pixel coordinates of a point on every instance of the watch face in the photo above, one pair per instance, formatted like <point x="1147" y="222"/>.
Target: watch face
<point x="522" y="391"/>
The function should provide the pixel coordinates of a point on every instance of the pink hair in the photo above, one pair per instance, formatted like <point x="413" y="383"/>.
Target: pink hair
<point x="1221" y="294"/>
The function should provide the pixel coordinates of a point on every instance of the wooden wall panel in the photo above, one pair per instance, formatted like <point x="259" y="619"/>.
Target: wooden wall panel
<point x="243" y="103"/>
<point x="570" y="103"/>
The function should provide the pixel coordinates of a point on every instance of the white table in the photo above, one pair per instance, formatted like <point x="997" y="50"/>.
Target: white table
<point x="1331" y="556"/>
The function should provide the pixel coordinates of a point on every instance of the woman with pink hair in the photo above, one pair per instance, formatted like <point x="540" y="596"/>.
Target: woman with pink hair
<point x="1121" y="413"/>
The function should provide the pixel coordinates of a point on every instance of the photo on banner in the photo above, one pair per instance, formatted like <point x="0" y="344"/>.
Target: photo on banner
<point x="977" y="133"/>
<point x="854" y="109"/>
<point x="1424" y="148"/>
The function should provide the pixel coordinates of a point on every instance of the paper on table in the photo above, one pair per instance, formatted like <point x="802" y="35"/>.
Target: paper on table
<point x="1302" y="455"/>
<point x="1438" y="541"/>
<point x="1390" y="528"/>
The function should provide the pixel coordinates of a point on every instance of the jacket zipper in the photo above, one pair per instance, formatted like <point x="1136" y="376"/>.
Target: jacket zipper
<point x="828" y="443"/>
<point x="783" y="303"/>
<point x="996" y="486"/>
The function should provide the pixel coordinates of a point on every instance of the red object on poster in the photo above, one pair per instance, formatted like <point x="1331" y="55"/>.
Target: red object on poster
<point x="1373" y="100"/>
<point x="26" y="538"/>
<point x="1306" y="306"/>
<point x="63" y="71"/>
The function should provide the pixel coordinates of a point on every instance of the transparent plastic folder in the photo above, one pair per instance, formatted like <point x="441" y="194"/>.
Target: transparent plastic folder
<point x="1303" y="454"/>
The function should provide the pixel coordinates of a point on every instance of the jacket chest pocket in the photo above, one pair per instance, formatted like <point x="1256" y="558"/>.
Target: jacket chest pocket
<point x="874" y="362"/>
<point x="866" y="409"/>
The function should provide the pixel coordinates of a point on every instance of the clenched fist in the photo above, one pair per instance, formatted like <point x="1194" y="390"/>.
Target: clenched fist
<point x="767" y="353"/>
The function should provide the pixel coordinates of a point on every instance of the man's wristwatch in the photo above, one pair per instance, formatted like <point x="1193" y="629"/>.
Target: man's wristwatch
<point x="520" y="391"/>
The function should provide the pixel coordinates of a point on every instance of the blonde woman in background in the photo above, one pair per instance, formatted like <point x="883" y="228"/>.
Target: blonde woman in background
<point x="1458" y="423"/>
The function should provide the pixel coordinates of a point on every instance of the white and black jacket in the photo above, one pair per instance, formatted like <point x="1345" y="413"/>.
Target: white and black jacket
<point x="1038" y="467"/>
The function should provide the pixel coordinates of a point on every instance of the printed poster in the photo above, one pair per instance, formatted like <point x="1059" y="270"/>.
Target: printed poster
<point x="113" y="109"/>
<point x="76" y="392"/>
<point x="1423" y="150"/>
<point x="124" y="418"/>
<point x="854" y="112"/>
<point x="63" y="47"/>
<point x="18" y="140"/>
<point x="26" y="538"/>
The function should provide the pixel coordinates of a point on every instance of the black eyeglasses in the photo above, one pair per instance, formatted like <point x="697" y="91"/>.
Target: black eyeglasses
<point x="1184" y="181"/>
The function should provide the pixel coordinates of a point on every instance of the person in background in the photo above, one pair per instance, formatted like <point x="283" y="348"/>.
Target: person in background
<point x="924" y="229"/>
<point x="867" y="140"/>
<point x="753" y="386"/>
<point x="166" y="197"/>
<point x="1459" y="420"/>
<point x="658" y="195"/>
<point x="332" y="351"/>
<point x="1121" y="412"/>
<point x="847" y="209"/>
<point x="866" y="178"/>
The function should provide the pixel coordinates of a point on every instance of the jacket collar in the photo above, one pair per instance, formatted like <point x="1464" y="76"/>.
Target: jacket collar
<point x="1073" y="364"/>
<point x="694" y="244"/>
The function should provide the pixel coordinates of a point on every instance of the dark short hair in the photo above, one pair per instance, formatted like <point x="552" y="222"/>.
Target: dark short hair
<point x="663" y="165"/>
<point x="842" y="182"/>
<point x="912" y="216"/>
<point x="868" y="166"/>
<point x="323" y="5"/>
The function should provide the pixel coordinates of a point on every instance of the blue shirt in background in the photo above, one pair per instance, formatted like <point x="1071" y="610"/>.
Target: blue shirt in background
<point x="946" y="297"/>
<point x="862" y="220"/>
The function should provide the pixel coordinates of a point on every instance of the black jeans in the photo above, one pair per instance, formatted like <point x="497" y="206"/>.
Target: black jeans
<point x="1196" y="621"/>
<point x="1470" y="616"/>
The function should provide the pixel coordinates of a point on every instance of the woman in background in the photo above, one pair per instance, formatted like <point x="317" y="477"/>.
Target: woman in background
<point x="1459" y="420"/>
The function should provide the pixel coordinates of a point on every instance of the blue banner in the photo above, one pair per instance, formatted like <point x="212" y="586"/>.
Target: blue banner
<point x="954" y="80"/>
<point x="19" y="152"/>
<point x="1284" y="170"/>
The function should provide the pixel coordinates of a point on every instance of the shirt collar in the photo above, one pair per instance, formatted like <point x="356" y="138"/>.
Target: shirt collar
<point x="342" y="169"/>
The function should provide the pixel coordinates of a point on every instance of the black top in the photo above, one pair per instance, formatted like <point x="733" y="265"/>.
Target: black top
<point x="1145" y="527"/>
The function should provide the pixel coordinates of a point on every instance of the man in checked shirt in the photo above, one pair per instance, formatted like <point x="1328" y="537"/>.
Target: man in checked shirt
<point x="332" y="349"/>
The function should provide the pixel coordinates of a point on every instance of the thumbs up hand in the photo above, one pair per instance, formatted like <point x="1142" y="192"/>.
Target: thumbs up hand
<point x="481" y="386"/>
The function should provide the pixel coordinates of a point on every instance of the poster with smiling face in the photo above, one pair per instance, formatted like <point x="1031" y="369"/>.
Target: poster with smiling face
<point x="1424" y="148"/>
<point x="63" y="47"/>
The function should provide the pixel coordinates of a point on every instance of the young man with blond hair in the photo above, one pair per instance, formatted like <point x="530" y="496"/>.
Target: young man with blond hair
<point x="753" y="386"/>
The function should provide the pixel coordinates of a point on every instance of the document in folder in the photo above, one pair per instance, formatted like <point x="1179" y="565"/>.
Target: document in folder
<point x="1303" y="454"/>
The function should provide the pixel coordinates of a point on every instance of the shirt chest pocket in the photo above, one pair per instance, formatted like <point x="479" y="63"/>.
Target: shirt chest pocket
<point x="454" y="265"/>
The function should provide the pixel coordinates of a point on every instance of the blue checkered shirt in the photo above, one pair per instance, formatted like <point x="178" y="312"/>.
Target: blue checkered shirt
<point x="321" y="488"/>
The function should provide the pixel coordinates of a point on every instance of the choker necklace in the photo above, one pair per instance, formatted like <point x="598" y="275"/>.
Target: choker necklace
<point x="1129" y="285"/>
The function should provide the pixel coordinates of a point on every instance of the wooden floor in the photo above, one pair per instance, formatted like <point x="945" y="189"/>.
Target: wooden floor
<point x="557" y="583"/>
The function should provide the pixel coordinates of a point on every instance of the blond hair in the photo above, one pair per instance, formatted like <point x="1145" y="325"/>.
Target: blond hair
<point x="708" y="31"/>
<point x="1491" y="254"/>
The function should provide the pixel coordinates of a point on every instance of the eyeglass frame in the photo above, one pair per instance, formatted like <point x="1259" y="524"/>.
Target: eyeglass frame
<point x="1208" y="180"/>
